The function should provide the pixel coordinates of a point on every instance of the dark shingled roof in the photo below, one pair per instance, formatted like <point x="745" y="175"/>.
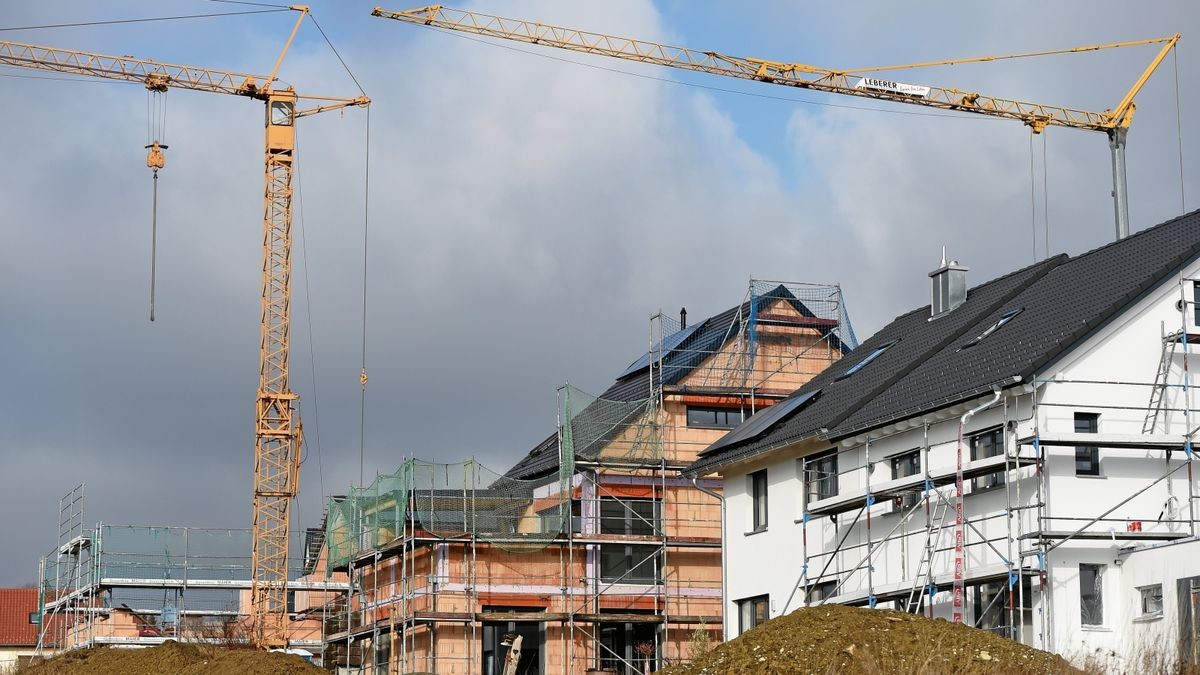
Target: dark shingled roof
<point x="1063" y="300"/>
<point x="677" y="363"/>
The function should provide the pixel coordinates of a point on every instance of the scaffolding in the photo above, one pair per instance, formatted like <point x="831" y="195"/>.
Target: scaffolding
<point x="604" y="557"/>
<point x="144" y="585"/>
<point x="908" y="539"/>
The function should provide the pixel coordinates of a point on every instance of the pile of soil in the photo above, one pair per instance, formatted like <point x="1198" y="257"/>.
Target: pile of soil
<point x="837" y="639"/>
<point x="172" y="658"/>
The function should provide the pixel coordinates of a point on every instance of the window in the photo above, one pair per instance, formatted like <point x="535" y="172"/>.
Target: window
<point x="1004" y="318"/>
<point x="494" y="649"/>
<point x="1087" y="459"/>
<point x="821" y="591"/>
<point x="1091" y="596"/>
<point x="627" y="648"/>
<point x="281" y="113"/>
<point x="1151" y="600"/>
<point x="713" y="418"/>
<point x="821" y="476"/>
<point x="34" y="618"/>
<point x="630" y="563"/>
<point x="903" y="466"/>
<point x="1196" y="300"/>
<point x="870" y="357"/>
<point x="988" y="444"/>
<point x="758" y="493"/>
<point x="551" y="519"/>
<point x="752" y="612"/>
<point x="993" y="603"/>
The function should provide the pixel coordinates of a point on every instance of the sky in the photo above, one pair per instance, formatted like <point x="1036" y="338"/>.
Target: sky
<point x="529" y="210"/>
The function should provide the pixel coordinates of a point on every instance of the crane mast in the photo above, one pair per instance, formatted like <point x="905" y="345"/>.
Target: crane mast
<point x="278" y="432"/>
<point x="860" y="82"/>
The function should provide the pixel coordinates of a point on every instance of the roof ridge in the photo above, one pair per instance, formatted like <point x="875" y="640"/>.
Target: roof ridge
<point x="1139" y="233"/>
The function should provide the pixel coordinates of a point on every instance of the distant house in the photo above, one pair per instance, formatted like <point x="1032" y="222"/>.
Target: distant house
<point x="592" y="549"/>
<point x="1054" y="408"/>
<point x="19" y="624"/>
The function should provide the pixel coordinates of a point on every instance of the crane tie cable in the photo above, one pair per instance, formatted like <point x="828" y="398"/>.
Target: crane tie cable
<point x="144" y="20"/>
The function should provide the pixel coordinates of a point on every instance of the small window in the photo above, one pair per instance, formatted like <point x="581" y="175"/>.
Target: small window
<point x="758" y="491"/>
<point x="903" y="466"/>
<point x="1152" y="604"/>
<point x="821" y="591"/>
<point x="870" y="357"/>
<point x="281" y="113"/>
<point x="983" y="445"/>
<point x="1004" y="318"/>
<point x="35" y="618"/>
<point x="752" y="612"/>
<point x="1196" y="303"/>
<point x="1091" y="594"/>
<point x="821" y="476"/>
<point x="713" y="418"/>
<point x="1087" y="459"/>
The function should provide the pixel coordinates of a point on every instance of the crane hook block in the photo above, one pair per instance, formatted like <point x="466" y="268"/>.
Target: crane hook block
<point x="155" y="158"/>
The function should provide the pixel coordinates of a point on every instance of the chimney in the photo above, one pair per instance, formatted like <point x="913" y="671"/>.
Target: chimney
<point x="947" y="286"/>
<point x="682" y="318"/>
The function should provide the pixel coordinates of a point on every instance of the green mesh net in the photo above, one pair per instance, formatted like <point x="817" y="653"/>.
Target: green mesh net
<point x="466" y="499"/>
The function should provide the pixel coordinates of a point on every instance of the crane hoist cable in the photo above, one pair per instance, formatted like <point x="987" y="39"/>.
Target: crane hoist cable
<point x="156" y="134"/>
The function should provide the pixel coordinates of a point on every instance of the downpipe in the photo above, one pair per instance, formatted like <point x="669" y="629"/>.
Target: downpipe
<point x="724" y="573"/>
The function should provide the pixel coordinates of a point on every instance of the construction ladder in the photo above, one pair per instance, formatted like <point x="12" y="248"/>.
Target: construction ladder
<point x="932" y="536"/>
<point x="1158" y="391"/>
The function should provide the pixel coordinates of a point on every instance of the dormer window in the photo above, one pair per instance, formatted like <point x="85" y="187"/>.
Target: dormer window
<point x="870" y="357"/>
<point x="1004" y="318"/>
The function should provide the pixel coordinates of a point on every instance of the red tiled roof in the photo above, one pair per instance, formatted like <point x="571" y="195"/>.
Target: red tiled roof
<point x="15" y="606"/>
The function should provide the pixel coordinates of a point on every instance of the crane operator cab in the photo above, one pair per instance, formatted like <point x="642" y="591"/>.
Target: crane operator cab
<point x="281" y="118"/>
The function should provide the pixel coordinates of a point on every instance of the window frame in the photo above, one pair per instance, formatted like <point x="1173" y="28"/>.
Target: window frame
<point x="827" y="479"/>
<point x="1150" y="592"/>
<point x="820" y="591"/>
<point x="896" y="461"/>
<point x="636" y="567"/>
<point x="1091" y="453"/>
<point x="753" y="602"/>
<point x="493" y="632"/>
<point x="997" y="478"/>
<point x="1196" y="303"/>
<point x="875" y="353"/>
<point x="1093" y="617"/>
<point x="718" y="413"/>
<point x="1007" y="316"/>
<point x="760" y="511"/>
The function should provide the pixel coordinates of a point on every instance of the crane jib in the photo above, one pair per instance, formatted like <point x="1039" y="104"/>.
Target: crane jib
<point x="892" y="86"/>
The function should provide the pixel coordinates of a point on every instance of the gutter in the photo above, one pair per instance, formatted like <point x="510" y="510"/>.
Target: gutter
<point x="724" y="572"/>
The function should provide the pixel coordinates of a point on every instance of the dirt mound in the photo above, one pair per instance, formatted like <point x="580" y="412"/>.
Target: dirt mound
<point x="837" y="639"/>
<point x="172" y="658"/>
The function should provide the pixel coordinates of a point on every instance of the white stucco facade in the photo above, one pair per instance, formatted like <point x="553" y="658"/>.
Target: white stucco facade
<point x="1018" y="519"/>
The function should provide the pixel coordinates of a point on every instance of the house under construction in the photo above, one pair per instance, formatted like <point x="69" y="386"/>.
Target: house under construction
<point x="143" y="585"/>
<point x="592" y="549"/>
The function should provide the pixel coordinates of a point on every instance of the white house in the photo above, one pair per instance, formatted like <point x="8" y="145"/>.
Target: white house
<point x="1055" y="405"/>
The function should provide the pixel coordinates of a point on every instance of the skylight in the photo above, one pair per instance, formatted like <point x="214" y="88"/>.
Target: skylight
<point x="1004" y="318"/>
<point x="870" y="357"/>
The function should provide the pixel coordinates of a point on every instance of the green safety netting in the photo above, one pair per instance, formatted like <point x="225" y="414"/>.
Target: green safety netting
<point x="468" y="499"/>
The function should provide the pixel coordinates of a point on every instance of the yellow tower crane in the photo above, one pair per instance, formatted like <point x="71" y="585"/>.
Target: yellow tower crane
<point x="278" y="434"/>
<point x="862" y="82"/>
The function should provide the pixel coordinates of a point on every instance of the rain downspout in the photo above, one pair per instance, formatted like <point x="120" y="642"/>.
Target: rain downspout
<point x="724" y="574"/>
<point x="959" y="534"/>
